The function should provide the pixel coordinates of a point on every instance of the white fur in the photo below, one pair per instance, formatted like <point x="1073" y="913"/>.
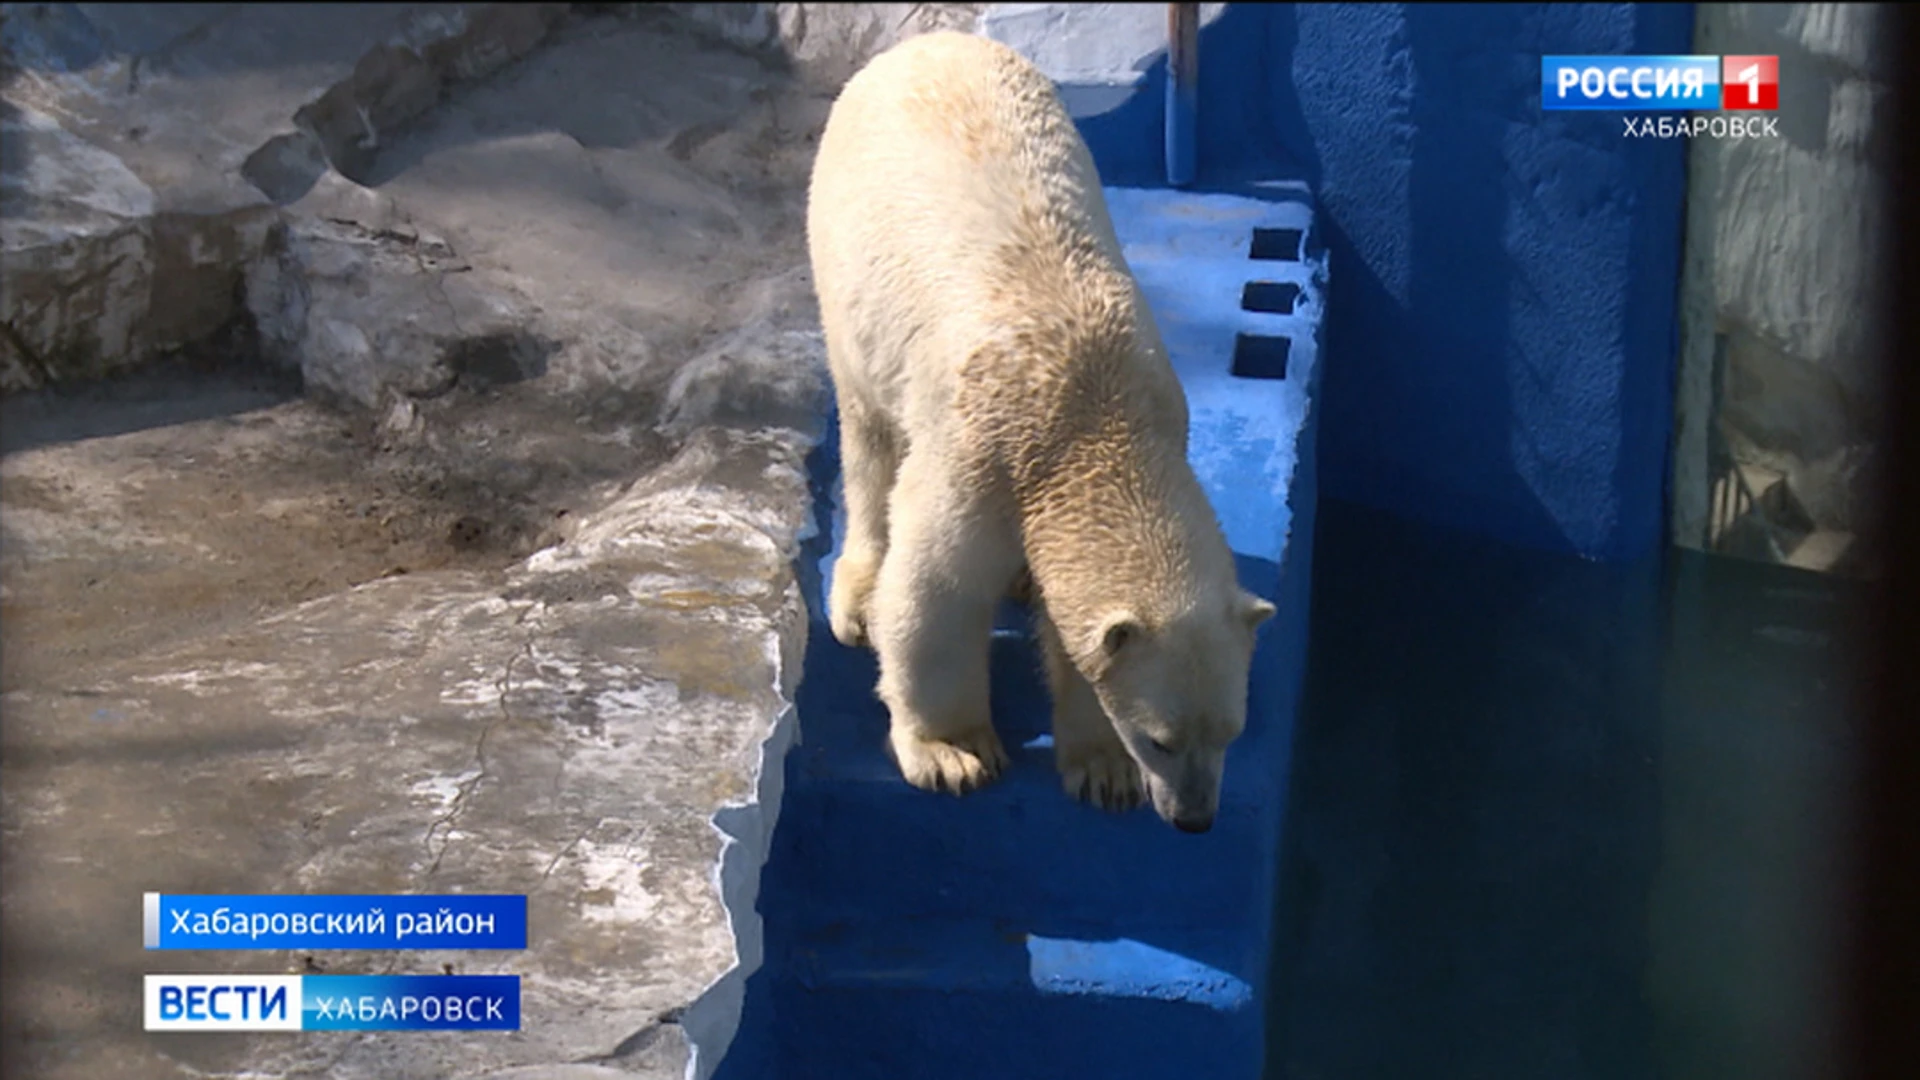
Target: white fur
<point x="1006" y="402"/>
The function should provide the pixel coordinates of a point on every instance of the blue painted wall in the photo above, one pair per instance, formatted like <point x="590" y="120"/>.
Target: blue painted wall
<point x="1503" y="315"/>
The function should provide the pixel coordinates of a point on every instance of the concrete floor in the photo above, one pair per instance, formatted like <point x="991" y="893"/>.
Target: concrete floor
<point x="522" y="631"/>
<point x="265" y="675"/>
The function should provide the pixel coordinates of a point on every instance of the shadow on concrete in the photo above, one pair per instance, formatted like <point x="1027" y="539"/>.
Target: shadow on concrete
<point x="154" y="396"/>
<point x="225" y="378"/>
<point x="1502" y="352"/>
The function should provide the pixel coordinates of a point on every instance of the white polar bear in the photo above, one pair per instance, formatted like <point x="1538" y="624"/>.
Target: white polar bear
<point x="1006" y="403"/>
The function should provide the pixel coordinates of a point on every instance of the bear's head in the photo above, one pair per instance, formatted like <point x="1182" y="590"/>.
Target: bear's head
<point x="1176" y="692"/>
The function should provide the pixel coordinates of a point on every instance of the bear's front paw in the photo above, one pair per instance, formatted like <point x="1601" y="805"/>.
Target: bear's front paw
<point x="959" y="765"/>
<point x="1104" y="776"/>
<point x="851" y="601"/>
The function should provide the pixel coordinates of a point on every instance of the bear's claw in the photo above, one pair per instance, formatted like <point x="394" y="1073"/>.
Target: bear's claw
<point x="1108" y="779"/>
<point x="956" y="766"/>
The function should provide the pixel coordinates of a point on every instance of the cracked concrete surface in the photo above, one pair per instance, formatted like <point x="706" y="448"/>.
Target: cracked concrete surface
<point x="452" y="554"/>
<point x="549" y="729"/>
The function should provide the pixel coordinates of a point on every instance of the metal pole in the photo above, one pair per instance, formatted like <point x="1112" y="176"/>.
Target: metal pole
<point x="1183" y="91"/>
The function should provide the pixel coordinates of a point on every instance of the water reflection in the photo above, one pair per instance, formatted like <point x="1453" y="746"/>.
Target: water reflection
<point x="1555" y="819"/>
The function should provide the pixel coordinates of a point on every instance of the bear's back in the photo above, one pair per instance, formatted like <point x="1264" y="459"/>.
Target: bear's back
<point x="949" y="197"/>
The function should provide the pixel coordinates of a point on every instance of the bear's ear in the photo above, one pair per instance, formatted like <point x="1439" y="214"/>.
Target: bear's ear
<point x="1118" y="632"/>
<point x="1254" y="610"/>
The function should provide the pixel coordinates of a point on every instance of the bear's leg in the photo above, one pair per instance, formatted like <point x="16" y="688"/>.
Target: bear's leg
<point x="1094" y="765"/>
<point x="867" y="467"/>
<point x="948" y="564"/>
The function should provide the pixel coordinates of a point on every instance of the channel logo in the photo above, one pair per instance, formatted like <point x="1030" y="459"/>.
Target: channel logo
<point x="1750" y="83"/>
<point x="223" y="1002"/>
<point x="332" y="1002"/>
<point x="1660" y="83"/>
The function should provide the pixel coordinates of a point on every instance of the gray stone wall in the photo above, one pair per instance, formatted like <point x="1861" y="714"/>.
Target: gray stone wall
<point x="149" y="148"/>
<point x="1776" y="410"/>
<point x="827" y="43"/>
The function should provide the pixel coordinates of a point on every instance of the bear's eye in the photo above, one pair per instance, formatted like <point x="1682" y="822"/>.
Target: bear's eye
<point x="1160" y="747"/>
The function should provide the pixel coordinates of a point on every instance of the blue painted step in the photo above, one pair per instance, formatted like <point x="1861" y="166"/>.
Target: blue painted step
<point x="874" y="844"/>
<point x="980" y="998"/>
<point x="1013" y="932"/>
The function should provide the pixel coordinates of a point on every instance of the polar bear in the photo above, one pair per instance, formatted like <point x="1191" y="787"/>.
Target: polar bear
<point x="1007" y="408"/>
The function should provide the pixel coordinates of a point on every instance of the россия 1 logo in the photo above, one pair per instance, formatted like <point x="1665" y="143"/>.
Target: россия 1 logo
<point x="1750" y="83"/>
<point x="1630" y="83"/>
<point x="1668" y="84"/>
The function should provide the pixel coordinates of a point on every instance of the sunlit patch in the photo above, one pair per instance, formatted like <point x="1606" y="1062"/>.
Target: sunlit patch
<point x="1125" y="968"/>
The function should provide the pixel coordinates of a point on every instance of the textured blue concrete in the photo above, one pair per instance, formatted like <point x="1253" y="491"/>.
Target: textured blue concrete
<point x="1505" y="297"/>
<point x="1015" y="932"/>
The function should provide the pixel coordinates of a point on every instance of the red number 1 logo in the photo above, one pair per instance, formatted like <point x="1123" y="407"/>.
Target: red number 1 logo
<point x="1750" y="83"/>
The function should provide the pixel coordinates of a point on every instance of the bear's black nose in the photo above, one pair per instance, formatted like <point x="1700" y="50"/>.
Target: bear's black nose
<point x="1193" y="824"/>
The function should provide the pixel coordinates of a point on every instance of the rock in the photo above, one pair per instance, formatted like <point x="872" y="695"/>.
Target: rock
<point x="286" y="166"/>
<point x="278" y="299"/>
<point x="50" y="37"/>
<point x="369" y="313"/>
<point x="744" y="26"/>
<point x="135" y="220"/>
<point x="398" y="81"/>
<point x="750" y="376"/>
<point x="76" y="251"/>
<point x="826" y="43"/>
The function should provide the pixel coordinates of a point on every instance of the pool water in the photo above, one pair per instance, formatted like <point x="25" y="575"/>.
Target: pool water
<point x="1556" y="820"/>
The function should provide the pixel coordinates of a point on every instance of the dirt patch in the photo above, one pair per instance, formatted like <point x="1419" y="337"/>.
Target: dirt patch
<point x="136" y="519"/>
